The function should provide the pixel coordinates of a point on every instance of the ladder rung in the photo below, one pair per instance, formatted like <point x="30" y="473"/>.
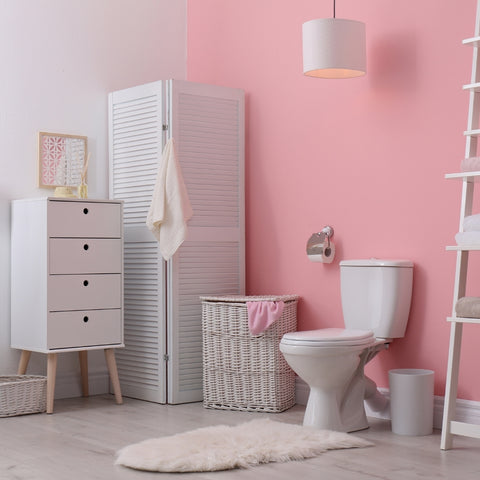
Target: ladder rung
<point x="462" y="175"/>
<point x="463" y="320"/>
<point x="463" y="248"/>
<point x="465" y="429"/>
<point x="472" y="86"/>
<point x="472" y="133"/>
<point x="473" y="41"/>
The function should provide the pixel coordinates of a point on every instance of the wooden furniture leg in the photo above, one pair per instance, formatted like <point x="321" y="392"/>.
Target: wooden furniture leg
<point x="83" y="357"/>
<point x="23" y="364"/>
<point x="51" y="374"/>
<point x="113" y="372"/>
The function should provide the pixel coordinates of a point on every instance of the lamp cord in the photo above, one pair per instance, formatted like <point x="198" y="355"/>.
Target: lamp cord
<point x="333" y="8"/>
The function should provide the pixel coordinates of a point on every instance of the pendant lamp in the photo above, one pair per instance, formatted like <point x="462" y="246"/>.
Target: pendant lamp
<point x="334" y="48"/>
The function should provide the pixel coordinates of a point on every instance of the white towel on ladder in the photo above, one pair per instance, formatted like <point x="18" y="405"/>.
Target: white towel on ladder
<point x="170" y="209"/>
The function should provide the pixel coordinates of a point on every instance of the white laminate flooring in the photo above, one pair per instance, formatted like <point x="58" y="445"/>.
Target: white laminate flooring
<point x="79" y="441"/>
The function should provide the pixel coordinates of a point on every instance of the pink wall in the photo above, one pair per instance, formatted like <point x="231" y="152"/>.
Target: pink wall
<point x="367" y="156"/>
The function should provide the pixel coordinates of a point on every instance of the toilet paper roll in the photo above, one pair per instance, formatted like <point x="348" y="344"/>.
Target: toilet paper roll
<point x="326" y="256"/>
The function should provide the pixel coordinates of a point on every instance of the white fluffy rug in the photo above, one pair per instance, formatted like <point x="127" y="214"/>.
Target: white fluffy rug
<point x="223" y="447"/>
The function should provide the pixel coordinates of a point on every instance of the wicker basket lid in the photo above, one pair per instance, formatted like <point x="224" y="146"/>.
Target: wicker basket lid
<point x="249" y="298"/>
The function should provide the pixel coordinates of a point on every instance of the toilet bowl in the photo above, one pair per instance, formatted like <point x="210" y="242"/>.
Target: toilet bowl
<point x="331" y="360"/>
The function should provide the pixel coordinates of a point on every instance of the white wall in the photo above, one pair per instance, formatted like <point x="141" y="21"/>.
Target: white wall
<point x="59" y="60"/>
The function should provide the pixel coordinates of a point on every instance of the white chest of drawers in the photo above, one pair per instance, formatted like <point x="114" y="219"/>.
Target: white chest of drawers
<point x="67" y="280"/>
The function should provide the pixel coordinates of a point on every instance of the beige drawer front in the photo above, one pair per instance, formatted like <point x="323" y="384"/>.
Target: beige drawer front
<point x="84" y="328"/>
<point x="85" y="255"/>
<point x="77" y="292"/>
<point x="84" y="219"/>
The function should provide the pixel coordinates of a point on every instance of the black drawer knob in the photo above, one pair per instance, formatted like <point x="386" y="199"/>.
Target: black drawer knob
<point x="85" y="283"/>
<point x="85" y="319"/>
<point x="85" y="211"/>
<point x="85" y="247"/>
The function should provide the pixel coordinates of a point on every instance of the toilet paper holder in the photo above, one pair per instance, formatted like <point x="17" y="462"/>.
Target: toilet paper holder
<point x="316" y="243"/>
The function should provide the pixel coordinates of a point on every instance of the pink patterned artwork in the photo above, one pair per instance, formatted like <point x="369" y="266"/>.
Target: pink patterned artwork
<point x="61" y="159"/>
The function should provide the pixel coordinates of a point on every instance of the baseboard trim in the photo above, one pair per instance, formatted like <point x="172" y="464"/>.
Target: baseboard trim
<point x="69" y="386"/>
<point x="466" y="410"/>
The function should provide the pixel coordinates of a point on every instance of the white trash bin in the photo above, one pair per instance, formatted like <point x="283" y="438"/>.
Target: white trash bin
<point x="411" y="401"/>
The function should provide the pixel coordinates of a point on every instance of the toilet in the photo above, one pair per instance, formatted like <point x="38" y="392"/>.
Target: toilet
<point x="376" y="296"/>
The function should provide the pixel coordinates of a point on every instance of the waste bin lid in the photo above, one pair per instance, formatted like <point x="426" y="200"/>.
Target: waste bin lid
<point x="410" y="371"/>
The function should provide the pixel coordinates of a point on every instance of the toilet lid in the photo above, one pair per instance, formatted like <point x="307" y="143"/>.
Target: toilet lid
<point x="331" y="337"/>
<point x="376" y="262"/>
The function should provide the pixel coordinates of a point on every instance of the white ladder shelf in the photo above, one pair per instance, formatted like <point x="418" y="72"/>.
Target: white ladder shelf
<point x="451" y="427"/>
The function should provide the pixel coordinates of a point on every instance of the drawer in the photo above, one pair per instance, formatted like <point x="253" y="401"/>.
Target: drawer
<point x="77" y="292"/>
<point x="85" y="255"/>
<point x="84" y="328"/>
<point x="84" y="219"/>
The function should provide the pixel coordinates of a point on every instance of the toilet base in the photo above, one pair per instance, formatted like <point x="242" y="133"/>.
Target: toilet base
<point x="337" y="383"/>
<point x="324" y="413"/>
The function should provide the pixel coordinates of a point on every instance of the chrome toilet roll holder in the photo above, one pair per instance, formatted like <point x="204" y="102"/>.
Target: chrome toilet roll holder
<point x="316" y="243"/>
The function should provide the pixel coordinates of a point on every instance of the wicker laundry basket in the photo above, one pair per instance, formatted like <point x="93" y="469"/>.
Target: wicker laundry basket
<point x="22" y="394"/>
<point x="242" y="371"/>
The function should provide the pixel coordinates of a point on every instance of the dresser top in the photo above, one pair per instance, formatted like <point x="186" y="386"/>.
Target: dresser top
<point x="67" y="199"/>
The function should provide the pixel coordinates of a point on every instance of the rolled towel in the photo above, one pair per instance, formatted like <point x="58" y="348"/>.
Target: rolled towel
<point x="471" y="164"/>
<point x="467" y="238"/>
<point x="468" y="307"/>
<point x="471" y="223"/>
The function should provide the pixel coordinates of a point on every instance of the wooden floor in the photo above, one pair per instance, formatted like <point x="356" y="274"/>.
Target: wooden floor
<point x="80" y="439"/>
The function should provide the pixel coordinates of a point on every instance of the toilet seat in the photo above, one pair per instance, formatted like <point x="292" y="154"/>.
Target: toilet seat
<point x="329" y="337"/>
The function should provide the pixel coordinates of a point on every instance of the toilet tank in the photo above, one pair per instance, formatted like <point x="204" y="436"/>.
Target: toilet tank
<point x="376" y="295"/>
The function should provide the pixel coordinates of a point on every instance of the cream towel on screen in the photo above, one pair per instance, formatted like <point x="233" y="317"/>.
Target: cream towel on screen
<point x="170" y="209"/>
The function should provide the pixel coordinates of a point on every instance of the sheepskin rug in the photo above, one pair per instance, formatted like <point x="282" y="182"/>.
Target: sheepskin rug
<point x="224" y="447"/>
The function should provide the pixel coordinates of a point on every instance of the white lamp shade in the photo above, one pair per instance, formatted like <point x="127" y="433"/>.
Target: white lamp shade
<point x="334" y="48"/>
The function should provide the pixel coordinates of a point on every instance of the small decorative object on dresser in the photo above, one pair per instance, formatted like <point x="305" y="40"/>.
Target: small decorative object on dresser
<point x="83" y="188"/>
<point x="67" y="282"/>
<point x="62" y="162"/>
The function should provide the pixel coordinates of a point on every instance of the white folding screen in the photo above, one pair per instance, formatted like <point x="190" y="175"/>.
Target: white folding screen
<point x="207" y="124"/>
<point x="136" y="117"/>
<point x="162" y="360"/>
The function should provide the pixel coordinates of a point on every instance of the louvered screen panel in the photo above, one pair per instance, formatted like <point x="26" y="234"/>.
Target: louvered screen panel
<point x="208" y="147"/>
<point x="140" y="363"/>
<point x="135" y="144"/>
<point x="135" y="148"/>
<point x="207" y="125"/>
<point x="203" y="268"/>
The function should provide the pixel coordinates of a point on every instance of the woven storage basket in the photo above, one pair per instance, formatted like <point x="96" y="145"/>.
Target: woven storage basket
<point x="22" y="394"/>
<point x="242" y="371"/>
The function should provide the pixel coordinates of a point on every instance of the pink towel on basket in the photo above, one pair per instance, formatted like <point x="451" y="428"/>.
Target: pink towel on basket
<point x="262" y="314"/>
